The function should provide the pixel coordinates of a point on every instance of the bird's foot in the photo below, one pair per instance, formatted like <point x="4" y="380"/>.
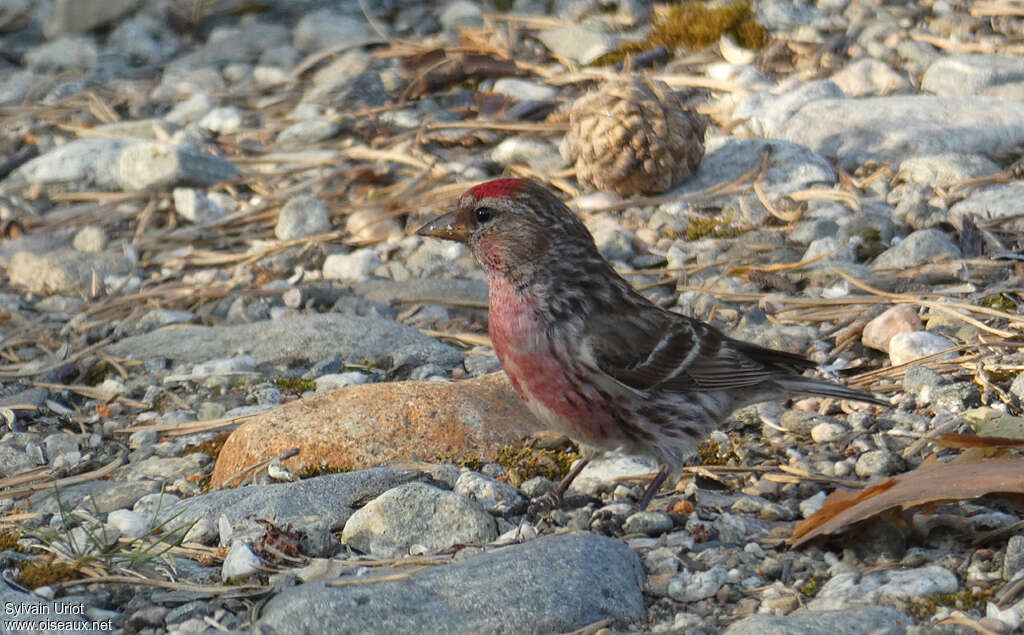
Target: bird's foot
<point x="651" y="491"/>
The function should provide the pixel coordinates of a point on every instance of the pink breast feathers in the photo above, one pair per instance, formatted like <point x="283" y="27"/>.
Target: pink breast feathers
<point x="522" y="346"/>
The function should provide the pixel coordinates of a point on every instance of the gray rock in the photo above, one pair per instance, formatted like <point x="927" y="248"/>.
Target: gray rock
<point x="53" y="500"/>
<point x="906" y="347"/>
<point x="577" y="43"/>
<point x="883" y="587"/>
<point x="309" y="131"/>
<point x="83" y="164"/>
<point x="891" y="129"/>
<point x="364" y="90"/>
<point x="193" y="205"/>
<point x="158" y="318"/>
<point x="16" y="85"/>
<point x="956" y="397"/>
<point x="539" y="155"/>
<point x="648" y="523"/>
<point x="876" y="463"/>
<point x="66" y="53"/>
<point x="608" y="468"/>
<point x="70" y="17"/>
<point x="997" y="201"/>
<point x="302" y="216"/>
<point x="806" y="232"/>
<point x="341" y="380"/>
<point x="14" y="461"/>
<point x="128" y="523"/>
<point x="586" y="579"/>
<point x="1017" y="386"/>
<point x="614" y="241"/>
<point x="142" y="41"/>
<point x="163" y="469"/>
<point x="190" y="110"/>
<point x="827" y="432"/>
<point x="699" y="585"/>
<point x="300" y="337"/>
<point x="417" y="516"/>
<point x="240" y="563"/>
<point x="323" y="29"/>
<point x="1013" y="562"/>
<point x="946" y="169"/>
<point x="66" y="270"/>
<point x="352" y="267"/>
<point x="158" y="509"/>
<point x="471" y="292"/>
<point x="157" y="166"/>
<point x="924" y="245"/>
<point x="790" y="167"/>
<point x="223" y="120"/>
<point x="849" y="621"/>
<point x="522" y="89"/>
<point x="492" y="494"/>
<point x="460" y="13"/>
<point x="30" y="397"/>
<point x="917" y="379"/>
<point x="767" y="113"/>
<point x="333" y="497"/>
<point x="867" y="77"/>
<point x="90" y="239"/>
<point x="122" y="495"/>
<point x="971" y="74"/>
<point x="830" y="251"/>
<point x="784" y="15"/>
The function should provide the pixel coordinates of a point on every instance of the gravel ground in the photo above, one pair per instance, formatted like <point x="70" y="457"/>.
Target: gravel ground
<point x="207" y="213"/>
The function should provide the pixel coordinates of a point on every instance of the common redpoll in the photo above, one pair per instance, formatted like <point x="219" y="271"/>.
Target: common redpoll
<point x="593" y="358"/>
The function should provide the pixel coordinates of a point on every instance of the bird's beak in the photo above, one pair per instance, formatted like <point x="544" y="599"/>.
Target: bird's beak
<point x="446" y="227"/>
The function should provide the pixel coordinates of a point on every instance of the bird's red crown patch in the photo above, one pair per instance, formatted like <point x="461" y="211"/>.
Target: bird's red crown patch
<point x="498" y="188"/>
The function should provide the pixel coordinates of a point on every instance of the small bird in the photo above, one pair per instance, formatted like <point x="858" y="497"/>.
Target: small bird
<point x="592" y="357"/>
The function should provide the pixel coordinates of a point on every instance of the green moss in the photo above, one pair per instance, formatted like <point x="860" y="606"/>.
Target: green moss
<point x="295" y="385"/>
<point x="999" y="302"/>
<point x="695" y="25"/>
<point x="210" y="447"/>
<point x="474" y="463"/>
<point x="37" y="573"/>
<point x="526" y="462"/>
<point x="711" y="227"/>
<point x="710" y="453"/>
<point x="714" y="453"/>
<point x="924" y="608"/>
<point x="871" y="243"/>
<point x="9" y="540"/>
<point x="319" y="470"/>
<point x="811" y="587"/>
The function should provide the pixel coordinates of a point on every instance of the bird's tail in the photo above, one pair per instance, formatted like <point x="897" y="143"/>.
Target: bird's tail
<point x="811" y="386"/>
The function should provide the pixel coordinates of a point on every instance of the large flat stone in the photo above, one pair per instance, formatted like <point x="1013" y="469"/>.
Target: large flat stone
<point x="551" y="585"/>
<point x="368" y="425"/>
<point x="895" y="128"/>
<point x="298" y="338"/>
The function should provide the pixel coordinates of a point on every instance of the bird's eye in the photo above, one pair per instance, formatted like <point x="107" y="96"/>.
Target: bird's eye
<point x="484" y="214"/>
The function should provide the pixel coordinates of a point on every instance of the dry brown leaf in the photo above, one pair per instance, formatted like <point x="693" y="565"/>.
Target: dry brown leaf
<point x="928" y="483"/>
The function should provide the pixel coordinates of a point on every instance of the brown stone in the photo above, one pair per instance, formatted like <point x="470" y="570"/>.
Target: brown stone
<point x="374" y="424"/>
<point x="901" y="318"/>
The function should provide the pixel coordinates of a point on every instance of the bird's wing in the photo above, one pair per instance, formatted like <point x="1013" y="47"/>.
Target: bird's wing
<point x="668" y="351"/>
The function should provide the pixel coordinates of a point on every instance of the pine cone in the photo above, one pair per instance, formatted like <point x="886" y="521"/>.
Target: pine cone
<point x="634" y="136"/>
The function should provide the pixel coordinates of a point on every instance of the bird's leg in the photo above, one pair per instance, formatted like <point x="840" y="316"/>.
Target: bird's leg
<point x="554" y="499"/>
<point x="652" y="489"/>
